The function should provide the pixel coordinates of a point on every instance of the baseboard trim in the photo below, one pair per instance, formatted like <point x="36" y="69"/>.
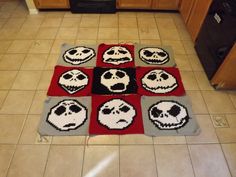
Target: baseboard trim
<point x="33" y="11"/>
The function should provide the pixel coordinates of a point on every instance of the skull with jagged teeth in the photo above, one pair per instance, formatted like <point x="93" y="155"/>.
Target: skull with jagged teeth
<point x="74" y="80"/>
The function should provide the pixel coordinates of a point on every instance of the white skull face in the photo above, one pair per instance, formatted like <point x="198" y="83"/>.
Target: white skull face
<point x="74" y="80"/>
<point x="117" y="55"/>
<point x="154" y="55"/>
<point x="67" y="115"/>
<point x="78" y="55"/>
<point x="115" y="80"/>
<point x="168" y="115"/>
<point x="159" y="81"/>
<point x="116" y="114"/>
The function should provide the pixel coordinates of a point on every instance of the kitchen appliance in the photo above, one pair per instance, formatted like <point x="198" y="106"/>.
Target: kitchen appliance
<point x="93" y="6"/>
<point x="217" y="35"/>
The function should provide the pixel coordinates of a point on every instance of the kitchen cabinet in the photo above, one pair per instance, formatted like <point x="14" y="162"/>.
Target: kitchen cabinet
<point x="52" y="4"/>
<point x="134" y="4"/>
<point x="185" y="9"/>
<point x="165" y="4"/>
<point x="224" y="78"/>
<point x="197" y="16"/>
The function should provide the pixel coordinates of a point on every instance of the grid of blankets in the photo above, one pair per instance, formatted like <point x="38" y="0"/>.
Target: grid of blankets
<point x="117" y="89"/>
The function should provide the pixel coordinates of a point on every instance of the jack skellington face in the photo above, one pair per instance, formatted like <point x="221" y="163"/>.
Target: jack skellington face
<point x="117" y="55"/>
<point x="154" y="55"/>
<point x="159" y="81"/>
<point x="116" y="114"/>
<point x="67" y="115"/>
<point x="168" y="115"/>
<point x="78" y="55"/>
<point x="115" y="80"/>
<point x="72" y="81"/>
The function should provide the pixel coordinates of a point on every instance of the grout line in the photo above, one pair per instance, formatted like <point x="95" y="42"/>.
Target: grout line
<point x="155" y="158"/>
<point x="82" y="168"/>
<point x="190" y="158"/>
<point x="231" y="173"/>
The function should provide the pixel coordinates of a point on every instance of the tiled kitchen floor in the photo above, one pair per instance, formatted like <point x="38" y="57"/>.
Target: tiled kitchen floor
<point x="29" y="48"/>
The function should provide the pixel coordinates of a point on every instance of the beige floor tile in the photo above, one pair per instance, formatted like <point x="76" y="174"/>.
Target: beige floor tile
<point x="67" y="33"/>
<point x="89" y="22"/>
<point x="198" y="104"/>
<point x="150" y="42"/>
<point x="4" y="45"/>
<point x="29" y="132"/>
<point x="129" y="41"/>
<point x="177" y="46"/>
<point x="232" y="96"/>
<point x="56" y="47"/>
<point x="3" y="95"/>
<point x="41" y="46"/>
<point x="64" y="161"/>
<point x="51" y="62"/>
<point x="80" y="140"/>
<point x="103" y="139"/>
<point x="189" y="80"/>
<point x="183" y="33"/>
<point x="54" y="14"/>
<point x="72" y="15"/>
<point x="166" y="23"/>
<point x="11" y="61"/>
<point x="189" y="47"/>
<point x="137" y="161"/>
<point x="86" y="42"/>
<point x="108" y="33"/>
<point x="127" y="14"/>
<point x="128" y="33"/>
<point x="230" y="154"/>
<point x="34" y="62"/>
<point x="45" y="80"/>
<point x="207" y="135"/>
<point x="27" y="33"/>
<point x="8" y="34"/>
<point x="169" y="140"/>
<point x="145" y="15"/>
<point x="29" y="161"/>
<point x="208" y="161"/>
<point x="91" y="15"/>
<point x="167" y="156"/>
<point x="6" y="153"/>
<point x="21" y="106"/>
<point x="147" y="22"/>
<point x="203" y="82"/>
<point x="7" y="78"/>
<point x="228" y="135"/>
<point x="107" y="41"/>
<point x="183" y="63"/>
<point x="195" y="63"/>
<point x="169" y="34"/>
<point x="135" y="139"/>
<point x="108" y="21"/>
<point x="27" y="80"/>
<point x="11" y="127"/>
<point x="218" y="102"/>
<point x="51" y="22"/>
<point x="87" y="33"/>
<point x="33" y="21"/>
<point x="101" y="161"/>
<point x="47" y="33"/>
<point x="5" y="15"/>
<point x="127" y="22"/>
<point x="38" y="101"/>
<point x="20" y="46"/>
<point x="148" y="33"/>
<point x="14" y="23"/>
<point x="70" y="22"/>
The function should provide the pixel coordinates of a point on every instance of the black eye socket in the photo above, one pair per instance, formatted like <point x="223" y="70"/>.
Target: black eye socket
<point x="156" y="112"/>
<point x="122" y="51"/>
<point x="106" y="111"/>
<point x="152" y="77"/>
<point x="162" y="54"/>
<point x="72" y="52"/>
<point x="60" y="110"/>
<point x="120" y="74"/>
<point x="108" y="75"/>
<point x="111" y="52"/>
<point x="174" y="111"/>
<point x="67" y="76"/>
<point x="81" y="77"/>
<point x="75" y="108"/>
<point x="86" y="51"/>
<point x="148" y="53"/>
<point x="124" y="109"/>
<point x="164" y="76"/>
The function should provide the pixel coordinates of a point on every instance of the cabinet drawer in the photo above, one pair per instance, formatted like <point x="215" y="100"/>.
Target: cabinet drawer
<point x="56" y="4"/>
<point x="134" y="4"/>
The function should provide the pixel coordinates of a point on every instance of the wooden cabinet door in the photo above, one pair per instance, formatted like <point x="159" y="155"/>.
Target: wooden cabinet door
<point x="134" y="4"/>
<point x="57" y="4"/>
<point x="166" y="4"/>
<point x="197" y="16"/>
<point x="185" y="9"/>
<point x="225" y="76"/>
